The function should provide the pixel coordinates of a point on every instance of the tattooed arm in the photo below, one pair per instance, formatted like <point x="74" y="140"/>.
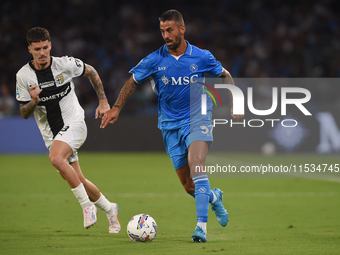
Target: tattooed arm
<point x="97" y="84"/>
<point x="26" y="110"/>
<point x="112" y="115"/>
<point x="229" y="80"/>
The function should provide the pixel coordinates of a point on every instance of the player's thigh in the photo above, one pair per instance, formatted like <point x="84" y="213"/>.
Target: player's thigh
<point x="60" y="151"/>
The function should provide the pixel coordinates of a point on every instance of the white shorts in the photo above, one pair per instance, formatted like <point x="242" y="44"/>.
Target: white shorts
<point x="74" y="134"/>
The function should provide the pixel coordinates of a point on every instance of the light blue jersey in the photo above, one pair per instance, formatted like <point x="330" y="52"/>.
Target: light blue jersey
<point x="171" y="78"/>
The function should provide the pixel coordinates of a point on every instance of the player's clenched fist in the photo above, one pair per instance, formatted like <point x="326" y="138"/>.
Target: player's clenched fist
<point x="34" y="92"/>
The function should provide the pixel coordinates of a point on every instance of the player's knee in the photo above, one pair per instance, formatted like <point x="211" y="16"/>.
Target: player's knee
<point x="196" y="163"/>
<point x="56" y="161"/>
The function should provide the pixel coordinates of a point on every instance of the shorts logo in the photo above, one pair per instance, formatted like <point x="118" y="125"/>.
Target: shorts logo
<point x="59" y="79"/>
<point x="193" y="68"/>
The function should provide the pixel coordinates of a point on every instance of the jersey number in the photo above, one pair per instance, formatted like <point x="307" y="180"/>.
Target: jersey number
<point x="207" y="130"/>
<point x="64" y="129"/>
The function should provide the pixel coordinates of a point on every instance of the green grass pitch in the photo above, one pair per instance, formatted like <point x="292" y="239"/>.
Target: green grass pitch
<point x="40" y="215"/>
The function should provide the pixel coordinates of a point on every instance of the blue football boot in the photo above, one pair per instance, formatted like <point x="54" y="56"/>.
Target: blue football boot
<point x="218" y="208"/>
<point x="199" y="236"/>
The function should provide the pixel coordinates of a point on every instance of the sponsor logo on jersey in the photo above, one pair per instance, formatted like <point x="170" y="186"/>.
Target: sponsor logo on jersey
<point x="186" y="80"/>
<point x="165" y="80"/>
<point x="59" y="79"/>
<point x="160" y="68"/>
<point x="46" y="84"/>
<point x="56" y="96"/>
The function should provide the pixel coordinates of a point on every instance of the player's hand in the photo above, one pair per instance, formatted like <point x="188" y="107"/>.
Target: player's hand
<point x="34" y="92"/>
<point x="110" y="117"/>
<point x="238" y="117"/>
<point x="102" y="108"/>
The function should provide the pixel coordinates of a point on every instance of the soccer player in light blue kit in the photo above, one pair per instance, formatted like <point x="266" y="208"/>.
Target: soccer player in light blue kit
<point x="172" y="69"/>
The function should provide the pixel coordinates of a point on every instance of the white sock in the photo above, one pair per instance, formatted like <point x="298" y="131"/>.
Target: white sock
<point x="104" y="204"/>
<point x="82" y="196"/>
<point x="203" y="225"/>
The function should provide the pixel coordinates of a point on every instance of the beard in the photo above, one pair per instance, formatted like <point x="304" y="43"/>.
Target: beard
<point x="176" y="43"/>
<point x="43" y="64"/>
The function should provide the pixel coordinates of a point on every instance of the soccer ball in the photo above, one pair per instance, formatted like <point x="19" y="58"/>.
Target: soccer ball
<point x="142" y="228"/>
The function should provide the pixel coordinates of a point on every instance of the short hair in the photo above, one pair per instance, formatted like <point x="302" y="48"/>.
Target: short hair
<point x="37" y="34"/>
<point x="172" y="15"/>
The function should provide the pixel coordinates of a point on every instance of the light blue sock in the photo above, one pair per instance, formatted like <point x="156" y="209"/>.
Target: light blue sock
<point x="202" y="196"/>
<point x="211" y="196"/>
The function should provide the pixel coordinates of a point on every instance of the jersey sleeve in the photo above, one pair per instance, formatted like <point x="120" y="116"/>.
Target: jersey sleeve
<point x="144" y="69"/>
<point x="22" y="90"/>
<point x="76" y="66"/>
<point x="213" y="66"/>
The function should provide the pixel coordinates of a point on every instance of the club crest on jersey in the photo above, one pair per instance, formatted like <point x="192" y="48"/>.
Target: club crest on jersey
<point x="59" y="79"/>
<point x="193" y="68"/>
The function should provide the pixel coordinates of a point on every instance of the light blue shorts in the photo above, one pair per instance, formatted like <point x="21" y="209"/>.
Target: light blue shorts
<point x="177" y="141"/>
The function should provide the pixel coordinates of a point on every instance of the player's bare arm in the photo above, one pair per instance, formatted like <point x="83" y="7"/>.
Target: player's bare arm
<point x="97" y="84"/>
<point x="26" y="110"/>
<point x="126" y="92"/>
<point x="228" y="79"/>
<point x="112" y="115"/>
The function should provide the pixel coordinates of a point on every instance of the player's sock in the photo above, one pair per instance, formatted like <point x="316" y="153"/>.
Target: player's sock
<point x="202" y="194"/>
<point x="104" y="204"/>
<point x="82" y="196"/>
<point x="203" y="225"/>
<point x="212" y="197"/>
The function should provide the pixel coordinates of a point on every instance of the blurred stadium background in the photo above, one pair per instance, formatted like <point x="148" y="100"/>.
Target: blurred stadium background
<point x="252" y="39"/>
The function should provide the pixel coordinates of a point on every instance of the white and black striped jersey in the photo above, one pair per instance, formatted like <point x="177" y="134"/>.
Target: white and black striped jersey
<point x="58" y="104"/>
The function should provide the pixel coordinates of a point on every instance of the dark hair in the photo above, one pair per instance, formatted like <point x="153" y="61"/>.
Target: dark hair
<point x="172" y="15"/>
<point x="37" y="34"/>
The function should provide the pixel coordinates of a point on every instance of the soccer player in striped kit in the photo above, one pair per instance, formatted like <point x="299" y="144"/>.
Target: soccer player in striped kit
<point x="45" y="88"/>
